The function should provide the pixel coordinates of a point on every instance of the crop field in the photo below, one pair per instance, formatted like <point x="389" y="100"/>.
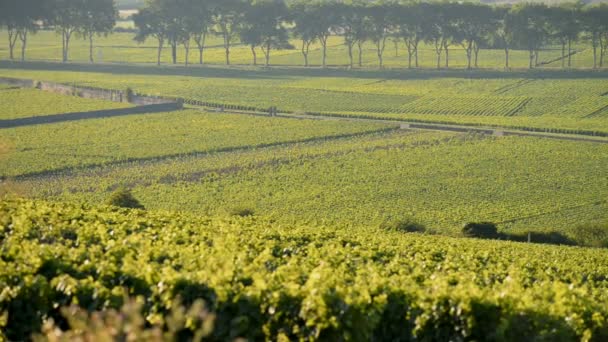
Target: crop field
<point x="440" y="179"/>
<point x="23" y="103"/>
<point x="43" y="149"/>
<point x="326" y="283"/>
<point x="344" y="217"/>
<point x="120" y="47"/>
<point x="563" y="102"/>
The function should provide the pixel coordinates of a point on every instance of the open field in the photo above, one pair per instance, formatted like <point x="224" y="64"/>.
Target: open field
<point x="569" y="102"/>
<point x="120" y="47"/>
<point x="442" y="180"/>
<point x="22" y="103"/>
<point x="335" y="220"/>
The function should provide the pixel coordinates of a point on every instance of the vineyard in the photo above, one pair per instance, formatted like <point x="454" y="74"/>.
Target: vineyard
<point x="42" y="149"/>
<point x="262" y="281"/>
<point x="559" y="103"/>
<point x="343" y="217"/>
<point x="23" y="103"/>
<point x="438" y="179"/>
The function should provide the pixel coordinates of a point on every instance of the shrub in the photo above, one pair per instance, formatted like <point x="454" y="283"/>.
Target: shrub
<point x="129" y="94"/>
<point x="242" y="211"/>
<point x="482" y="230"/>
<point x="123" y="198"/>
<point x="592" y="235"/>
<point x="406" y="225"/>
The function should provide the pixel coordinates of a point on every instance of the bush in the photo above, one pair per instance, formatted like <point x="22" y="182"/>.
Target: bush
<point x="129" y="94"/>
<point x="406" y="225"/>
<point x="482" y="230"/>
<point x="123" y="198"/>
<point x="242" y="211"/>
<point x="592" y="235"/>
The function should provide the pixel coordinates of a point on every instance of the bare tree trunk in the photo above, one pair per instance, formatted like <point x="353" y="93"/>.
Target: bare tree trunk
<point x="173" y="44"/>
<point x="255" y="55"/>
<point x="507" y="57"/>
<point x="380" y="46"/>
<point x="603" y="47"/>
<point x="594" y="45"/>
<point x="396" y="42"/>
<point x="161" y="42"/>
<point x="531" y="59"/>
<point x="536" y="58"/>
<point x="267" y="54"/>
<point x="408" y="44"/>
<point x="476" y="51"/>
<point x="350" y="54"/>
<point x="186" y="44"/>
<point x="360" y="47"/>
<point x="447" y="56"/>
<point x="66" y="34"/>
<point x="569" y="53"/>
<point x="91" y="48"/>
<point x="305" y="49"/>
<point x="416" y="55"/>
<point x="563" y="54"/>
<point x="12" y="41"/>
<point x="324" y="44"/>
<point x="23" y="38"/>
<point x="226" y="44"/>
<point x="438" y="50"/>
<point x="199" y="39"/>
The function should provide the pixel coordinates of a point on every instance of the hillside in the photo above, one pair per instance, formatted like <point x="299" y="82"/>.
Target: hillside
<point x="266" y="281"/>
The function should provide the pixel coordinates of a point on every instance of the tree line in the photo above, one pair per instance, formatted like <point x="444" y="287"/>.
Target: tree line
<point x="268" y="25"/>
<point x="84" y="18"/>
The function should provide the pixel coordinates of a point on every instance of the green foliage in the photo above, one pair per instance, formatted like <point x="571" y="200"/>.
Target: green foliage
<point x="242" y="211"/>
<point x="262" y="281"/>
<point x="484" y="230"/>
<point x="407" y="225"/>
<point x="123" y="198"/>
<point x="592" y="234"/>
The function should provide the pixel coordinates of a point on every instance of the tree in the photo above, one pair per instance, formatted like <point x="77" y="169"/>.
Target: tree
<point x="20" y="18"/>
<point x="502" y="35"/>
<point x="305" y="20"/>
<point x="263" y="27"/>
<point x="409" y="22"/>
<point x="198" y="23"/>
<point x="434" y="29"/>
<point x="565" y="27"/>
<point x="67" y="17"/>
<point x="149" y="22"/>
<point x="98" y="18"/>
<point x="352" y="22"/>
<point x="227" y="17"/>
<point x="472" y="24"/>
<point x="596" y="24"/>
<point x="327" y="21"/>
<point x="530" y="28"/>
<point x="379" y="28"/>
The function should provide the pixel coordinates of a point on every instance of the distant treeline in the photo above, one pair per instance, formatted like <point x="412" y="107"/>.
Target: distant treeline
<point x="269" y="24"/>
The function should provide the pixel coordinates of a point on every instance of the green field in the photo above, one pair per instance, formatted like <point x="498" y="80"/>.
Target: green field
<point x="296" y="227"/>
<point x="550" y="101"/>
<point x="263" y="281"/>
<point x="23" y="103"/>
<point x="121" y="48"/>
